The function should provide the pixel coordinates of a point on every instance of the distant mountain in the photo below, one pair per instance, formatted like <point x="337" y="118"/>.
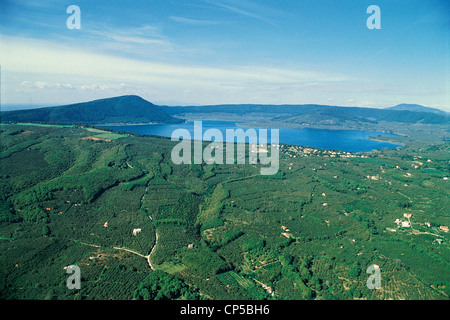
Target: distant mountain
<point x="416" y="108"/>
<point x="310" y="113"/>
<point x="133" y="109"/>
<point x="123" y="109"/>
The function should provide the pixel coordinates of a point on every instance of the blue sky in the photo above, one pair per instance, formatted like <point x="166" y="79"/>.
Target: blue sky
<point x="185" y="52"/>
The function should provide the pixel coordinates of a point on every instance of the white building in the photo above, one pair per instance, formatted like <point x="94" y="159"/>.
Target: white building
<point x="406" y="224"/>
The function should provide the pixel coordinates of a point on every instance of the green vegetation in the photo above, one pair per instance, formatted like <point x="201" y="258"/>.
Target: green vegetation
<point x="123" y="109"/>
<point x="134" y="109"/>
<point x="312" y="114"/>
<point x="219" y="231"/>
<point x="159" y="285"/>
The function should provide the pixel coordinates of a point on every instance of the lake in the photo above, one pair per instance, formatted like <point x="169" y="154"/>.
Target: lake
<point x="345" y="140"/>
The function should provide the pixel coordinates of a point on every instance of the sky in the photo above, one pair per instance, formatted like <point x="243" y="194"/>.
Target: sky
<point x="200" y="52"/>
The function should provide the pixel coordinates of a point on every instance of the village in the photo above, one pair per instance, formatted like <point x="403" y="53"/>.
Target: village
<point x="406" y="224"/>
<point x="294" y="151"/>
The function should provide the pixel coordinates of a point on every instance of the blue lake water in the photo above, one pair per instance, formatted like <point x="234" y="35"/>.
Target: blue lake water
<point x="345" y="140"/>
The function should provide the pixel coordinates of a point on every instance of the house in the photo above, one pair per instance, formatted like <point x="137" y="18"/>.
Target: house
<point x="105" y="224"/>
<point x="444" y="228"/>
<point x="136" y="231"/>
<point x="406" y="224"/>
<point x="407" y="215"/>
<point x="285" y="228"/>
<point x="287" y="235"/>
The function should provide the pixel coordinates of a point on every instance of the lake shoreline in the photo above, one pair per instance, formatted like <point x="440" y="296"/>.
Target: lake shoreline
<point x="329" y="139"/>
<point x="377" y="139"/>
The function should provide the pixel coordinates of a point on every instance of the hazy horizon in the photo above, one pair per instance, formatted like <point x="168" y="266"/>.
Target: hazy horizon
<point x="13" y="106"/>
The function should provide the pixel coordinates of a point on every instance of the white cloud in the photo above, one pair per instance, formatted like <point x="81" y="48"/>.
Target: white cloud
<point x="46" y="85"/>
<point x="47" y="58"/>
<point x="195" y="22"/>
<point x="251" y="13"/>
<point x="139" y="40"/>
<point x="46" y="65"/>
<point x="145" y="34"/>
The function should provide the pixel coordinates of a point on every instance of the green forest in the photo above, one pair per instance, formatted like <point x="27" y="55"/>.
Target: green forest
<point x="140" y="227"/>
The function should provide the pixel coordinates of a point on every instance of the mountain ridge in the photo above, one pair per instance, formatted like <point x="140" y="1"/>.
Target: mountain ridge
<point x="313" y="113"/>
<point x="415" y="108"/>
<point x="132" y="109"/>
<point x="121" y="109"/>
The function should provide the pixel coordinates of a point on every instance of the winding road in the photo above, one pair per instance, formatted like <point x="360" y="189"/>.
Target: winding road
<point x="148" y="257"/>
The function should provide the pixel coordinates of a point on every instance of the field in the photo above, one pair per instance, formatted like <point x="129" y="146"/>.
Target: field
<point x="219" y="231"/>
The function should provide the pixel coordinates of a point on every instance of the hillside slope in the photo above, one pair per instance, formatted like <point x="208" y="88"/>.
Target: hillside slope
<point x="220" y="229"/>
<point x="312" y="113"/>
<point x="123" y="109"/>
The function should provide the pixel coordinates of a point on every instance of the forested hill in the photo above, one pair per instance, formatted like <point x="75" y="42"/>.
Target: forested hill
<point x="123" y="109"/>
<point x="133" y="109"/>
<point x="416" y="108"/>
<point x="312" y="113"/>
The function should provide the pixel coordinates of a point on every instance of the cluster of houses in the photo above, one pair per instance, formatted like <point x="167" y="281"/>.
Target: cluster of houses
<point x="403" y="223"/>
<point x="285" y="233"/>
<point x="407" y="224"/>
<point x="262" y="148"/>
<point x="293" y="151"/>
<point x="416" y="163"/>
